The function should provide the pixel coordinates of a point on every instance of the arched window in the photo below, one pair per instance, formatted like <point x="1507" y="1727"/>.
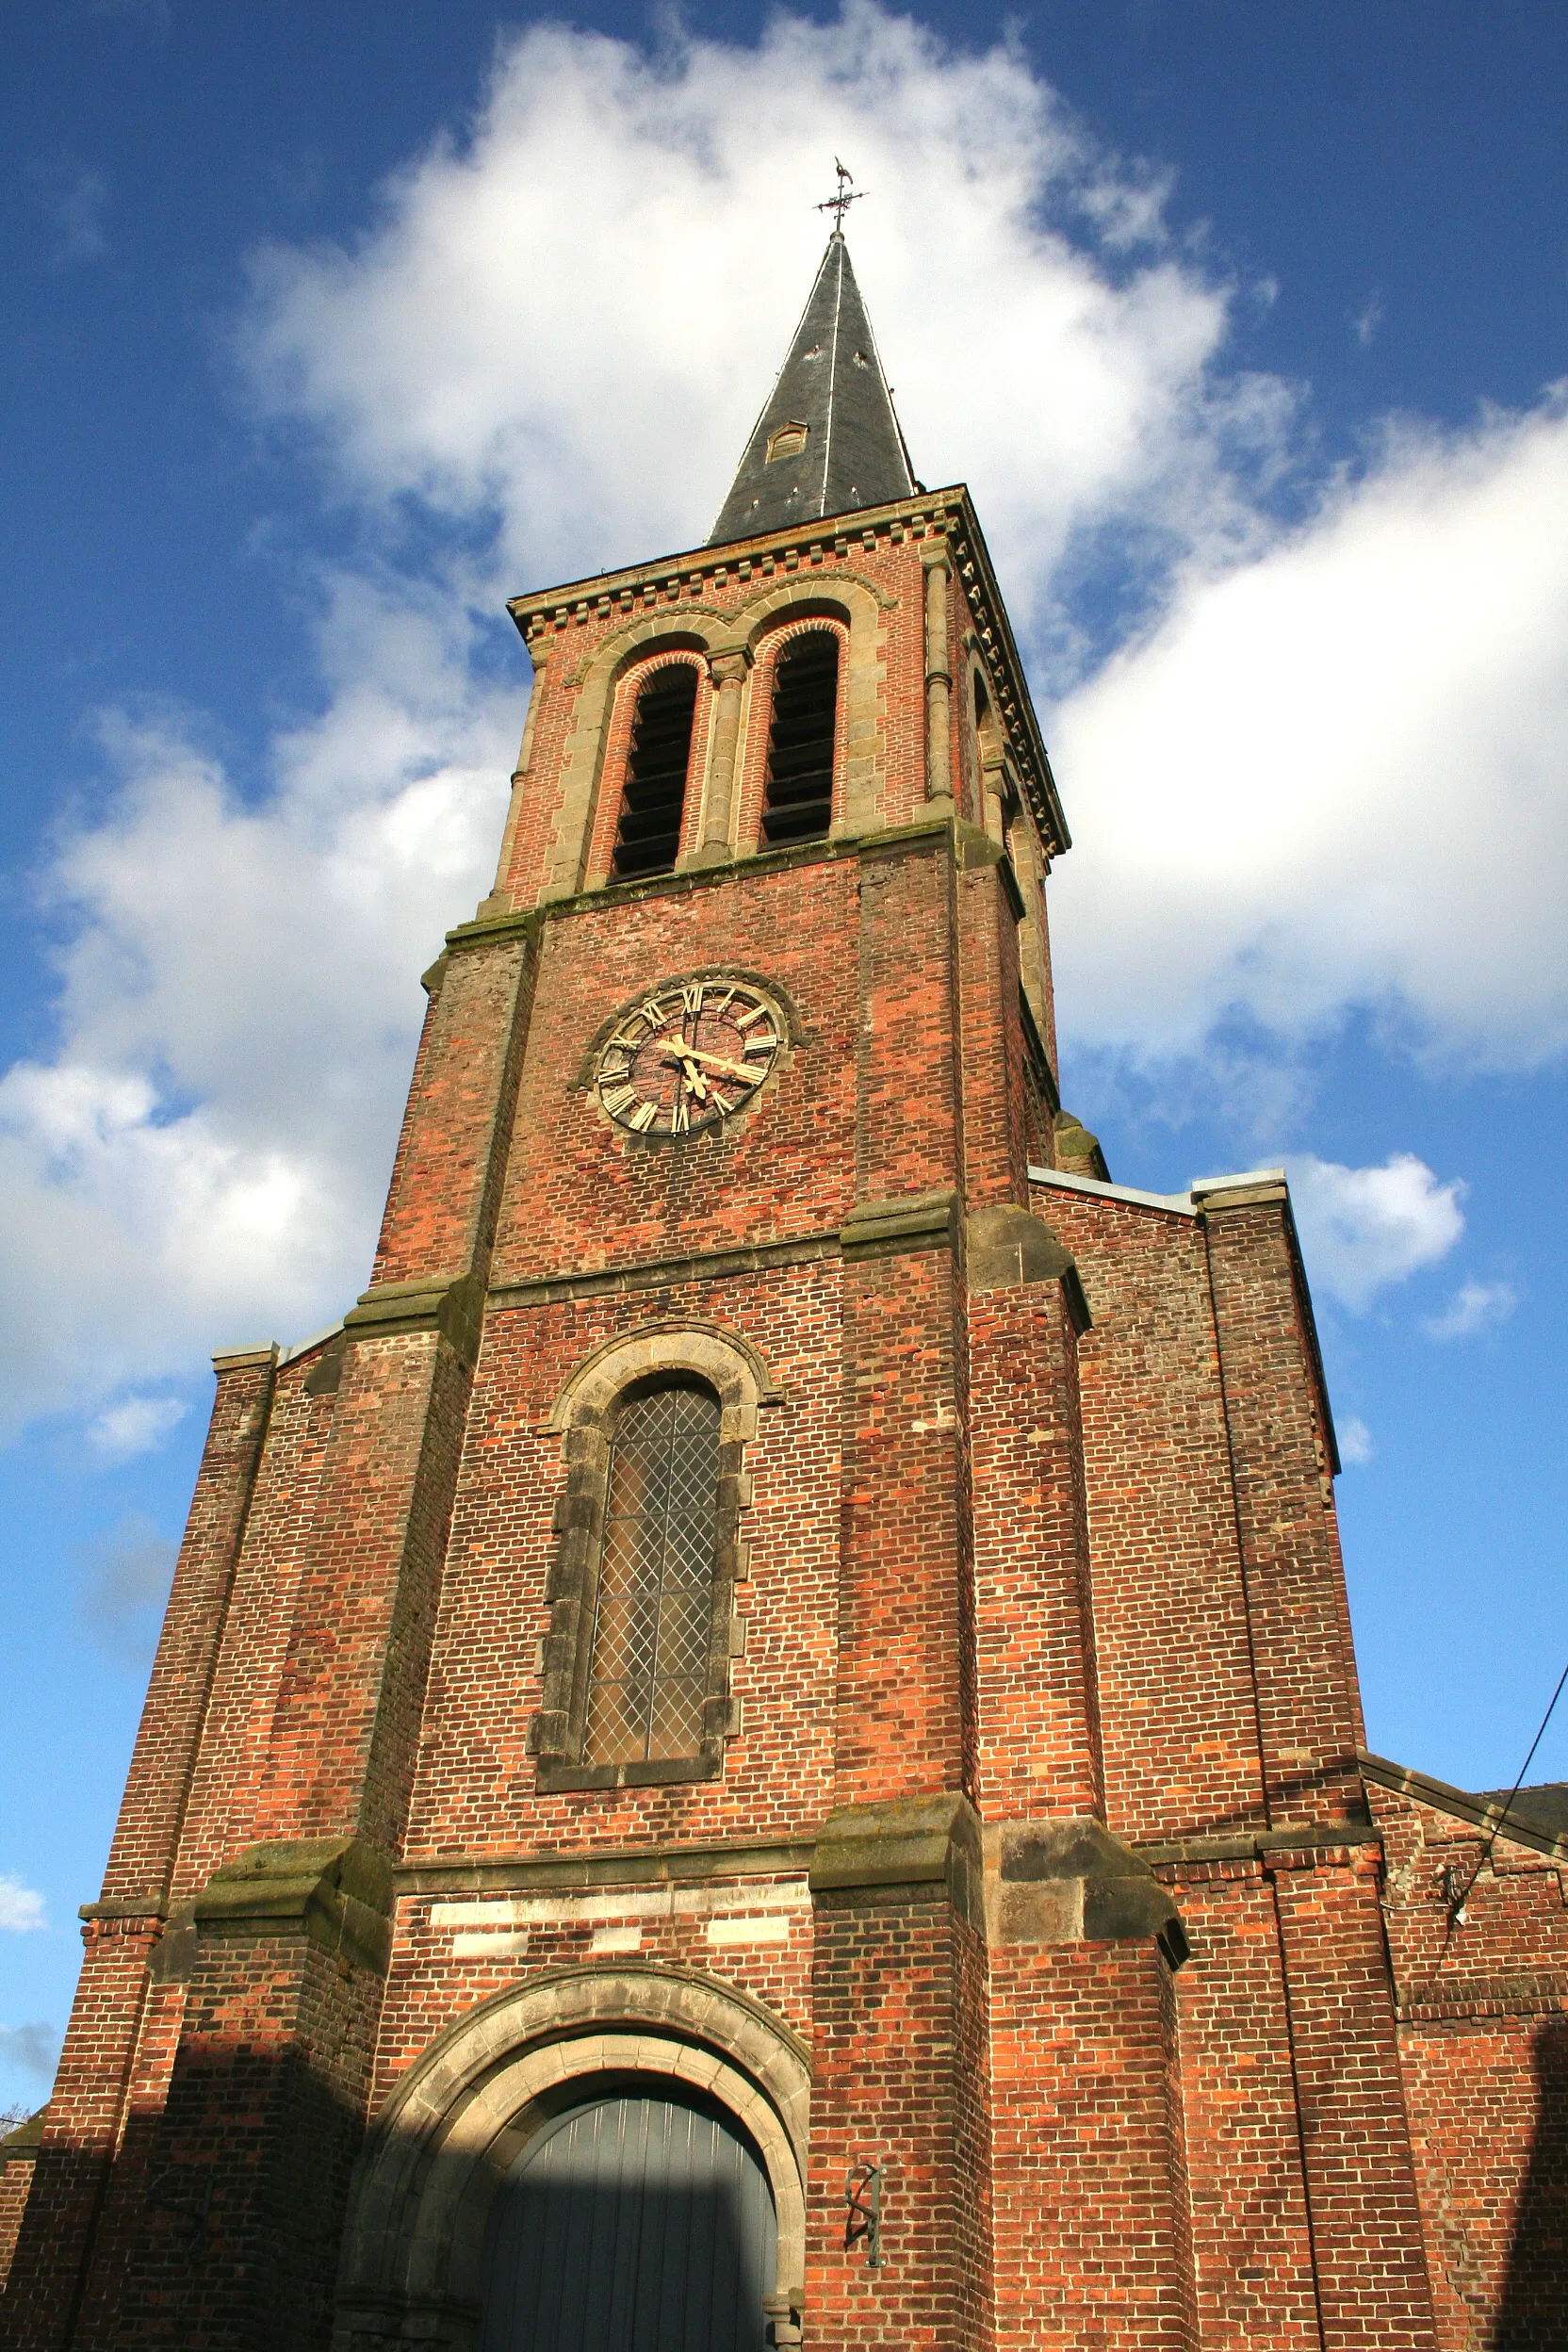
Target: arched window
<point x="635" y="1669"/>
<point x="654" y="795"/>
<point x="798" y="803"/>
<point x="653" y="1618"/>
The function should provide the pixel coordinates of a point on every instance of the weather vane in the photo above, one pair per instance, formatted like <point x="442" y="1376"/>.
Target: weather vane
<point x="837" y="205"/>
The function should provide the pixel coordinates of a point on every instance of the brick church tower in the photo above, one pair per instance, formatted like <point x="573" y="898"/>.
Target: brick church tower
<point x="761" y="1745"/>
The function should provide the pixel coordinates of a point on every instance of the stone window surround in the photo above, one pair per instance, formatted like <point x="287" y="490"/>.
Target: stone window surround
<point x="584" y="1414"/>
<point x="620" y="718"/>
<point x="444" y="2141"/>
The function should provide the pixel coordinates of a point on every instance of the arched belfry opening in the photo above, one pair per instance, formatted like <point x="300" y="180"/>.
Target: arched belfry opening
<point x="798" y="806"/>
<point x="653" y="797"/>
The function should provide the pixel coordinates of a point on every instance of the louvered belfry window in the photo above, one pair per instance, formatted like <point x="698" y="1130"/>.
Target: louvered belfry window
<point x="654" y="794"/>
<point x="799" y="802"/>
<point x="654" y="1611"/>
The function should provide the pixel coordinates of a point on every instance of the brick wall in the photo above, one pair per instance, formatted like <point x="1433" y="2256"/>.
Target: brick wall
<point x="16" y="2179"/>
<point x="1176" y="1694"/>
<point x="1483" y="2041"/>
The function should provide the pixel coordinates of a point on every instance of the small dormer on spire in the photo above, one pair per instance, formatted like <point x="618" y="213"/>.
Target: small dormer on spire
<point x="828" y="441"/>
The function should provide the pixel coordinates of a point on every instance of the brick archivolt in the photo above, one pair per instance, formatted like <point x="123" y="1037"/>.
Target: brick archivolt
<point x="446" y="2137"/>
<point x="589" y="762"/>
<point x="731" y="1365"/>
<point x="615" y="748"/>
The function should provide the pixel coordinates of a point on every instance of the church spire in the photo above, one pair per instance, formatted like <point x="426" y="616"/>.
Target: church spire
<point x="828" y="441"/>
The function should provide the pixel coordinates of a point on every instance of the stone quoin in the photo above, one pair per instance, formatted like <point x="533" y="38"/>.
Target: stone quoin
<point x="761" y="1745"/>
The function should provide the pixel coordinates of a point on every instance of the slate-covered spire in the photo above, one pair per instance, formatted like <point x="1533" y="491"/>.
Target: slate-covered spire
<point x="828" y="441"/>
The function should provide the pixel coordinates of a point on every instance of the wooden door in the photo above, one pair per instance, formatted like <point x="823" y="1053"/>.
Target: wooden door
<point x="637" y="2220"/>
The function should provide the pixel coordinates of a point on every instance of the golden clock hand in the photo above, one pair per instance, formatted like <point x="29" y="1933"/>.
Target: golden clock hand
<point x="680" y="1052"/>
<point x="716" y="1061"/>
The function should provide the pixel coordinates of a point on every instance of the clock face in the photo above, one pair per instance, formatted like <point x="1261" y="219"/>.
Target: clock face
<point x="687" y="1056"/>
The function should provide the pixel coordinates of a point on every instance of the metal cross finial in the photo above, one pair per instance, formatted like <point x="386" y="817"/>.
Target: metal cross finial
<point x="837" y="205"/>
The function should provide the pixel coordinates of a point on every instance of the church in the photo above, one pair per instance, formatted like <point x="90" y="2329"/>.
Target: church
<point x="760" y="1746"/>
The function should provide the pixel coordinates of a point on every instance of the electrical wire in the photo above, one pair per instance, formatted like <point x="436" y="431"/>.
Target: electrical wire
<point x="1458" y="1901"/>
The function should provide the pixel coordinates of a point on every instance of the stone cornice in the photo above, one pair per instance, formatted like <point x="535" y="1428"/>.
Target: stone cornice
<point x="529" y="923"/>
<point x="1270" y="1846"/>
<point x="677" y="582"/>
<point x="614" y="1865"/>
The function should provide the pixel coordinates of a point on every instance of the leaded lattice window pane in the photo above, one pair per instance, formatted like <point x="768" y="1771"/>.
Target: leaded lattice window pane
<point x="653" y="1620"/>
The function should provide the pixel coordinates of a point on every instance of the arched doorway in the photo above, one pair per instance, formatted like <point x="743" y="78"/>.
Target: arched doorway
<point x="450" y="2135"/>
<point x="638" y="2217"/>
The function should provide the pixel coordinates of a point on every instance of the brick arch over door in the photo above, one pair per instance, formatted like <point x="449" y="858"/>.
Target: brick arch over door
<point x="445" y="2140"/>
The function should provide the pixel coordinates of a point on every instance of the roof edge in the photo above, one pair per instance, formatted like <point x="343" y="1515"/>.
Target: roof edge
<point x="1463" y="1807"/>
<point x="929" y="505"/>
<point x="1171" y="1204"/>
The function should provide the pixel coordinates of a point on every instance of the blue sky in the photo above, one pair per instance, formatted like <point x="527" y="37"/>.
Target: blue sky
<point x="325" y="328"/>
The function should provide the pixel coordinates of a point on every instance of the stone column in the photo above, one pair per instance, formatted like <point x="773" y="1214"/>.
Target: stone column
<point x="939" y="674"/>
<point x="728" y="672"/>
<point x="995" y="789"/>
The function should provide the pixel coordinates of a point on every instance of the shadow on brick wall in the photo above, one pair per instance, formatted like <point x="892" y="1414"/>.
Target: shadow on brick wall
<point x="1532" y="2315"/>
<point x="217" y="2224"/>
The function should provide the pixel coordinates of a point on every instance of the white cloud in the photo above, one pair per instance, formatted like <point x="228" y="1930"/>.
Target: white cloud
<point x="1474" y="1307"/>
<point x="1367" y="320"/>
<point x="203" y="1161"/>
<point x="1334" y="775"/>
<point x="570" y="318"/>
<point x="1355" y="1440"/>
<point x="129" y="1574"/>
<point x="1365" y="1228"/>
<point x="33" y="2049"/>
<point x="137" y="1424"/>
<point x="21" y="1907"/>
<point x="71" y="199"/>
